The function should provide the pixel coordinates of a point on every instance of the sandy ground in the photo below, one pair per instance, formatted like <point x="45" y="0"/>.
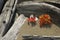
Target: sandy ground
<point x="52" y="30"/>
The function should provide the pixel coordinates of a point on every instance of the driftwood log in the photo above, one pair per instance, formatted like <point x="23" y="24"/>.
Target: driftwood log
<point x="27" y="8"/>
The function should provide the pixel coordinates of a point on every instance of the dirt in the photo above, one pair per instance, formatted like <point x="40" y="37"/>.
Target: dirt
<point x="52" y="30"/>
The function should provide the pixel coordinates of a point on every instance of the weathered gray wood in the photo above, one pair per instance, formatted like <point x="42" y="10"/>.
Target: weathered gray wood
<point x="11" y="18"/>
<point x="12" y="33"/>
<point x="4" y="15"/>
<point x="39" y="4"/>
